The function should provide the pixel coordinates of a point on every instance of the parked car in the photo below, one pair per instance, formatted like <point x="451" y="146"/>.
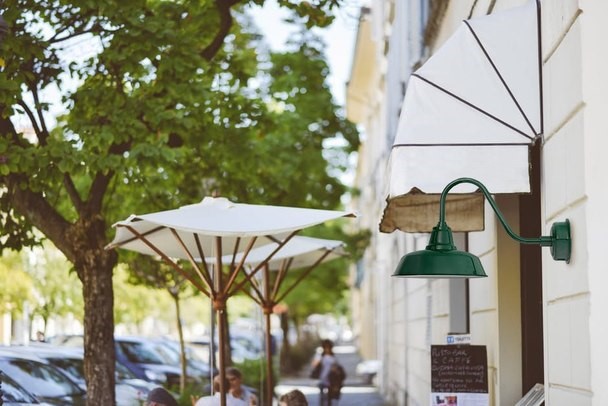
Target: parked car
<point x="171" y="350"/>
<point x="46" y="382"/>
<point x="14" y="394"/>
<point x="143" y="359"/>
<point x="129" y="390"/>
<point x="242" y="348"/>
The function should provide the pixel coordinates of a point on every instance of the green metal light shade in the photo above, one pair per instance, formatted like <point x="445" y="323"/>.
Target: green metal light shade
<point x="441" y="259"/>
<point x="440" y="264"/>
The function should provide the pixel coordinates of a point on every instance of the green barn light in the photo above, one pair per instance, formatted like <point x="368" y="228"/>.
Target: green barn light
<point x="441" y="259"/>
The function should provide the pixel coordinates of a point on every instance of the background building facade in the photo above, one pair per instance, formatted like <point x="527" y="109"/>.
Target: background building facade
<point x="541" y="320"/>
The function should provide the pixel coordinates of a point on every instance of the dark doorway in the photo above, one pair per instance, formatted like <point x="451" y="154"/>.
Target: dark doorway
<point x="531" y="279"/>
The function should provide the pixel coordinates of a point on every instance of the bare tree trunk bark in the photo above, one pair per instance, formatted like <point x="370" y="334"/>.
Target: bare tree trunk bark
<point x="94" y="266"/>
<point x="99" y="351"/>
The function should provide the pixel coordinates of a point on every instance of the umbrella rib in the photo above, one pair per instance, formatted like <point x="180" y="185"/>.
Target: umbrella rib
<point x="168" y="260"/>
<point x="217" y="279"/>
<point x="256" y="287"/>
<point x="206" y="275"/>
<point x="305" y="274"/>
<point x="258" y="298"/>
<point x="504" y="83"/>
<point x="236" y="270"/>
<point x="281" y="275"/>
<point x="136" y="237"/>
<point x="265" y="261"/>
<point x="460" y="99"/>
<point x="235" y="251"/>
<point x="190" y="257"/>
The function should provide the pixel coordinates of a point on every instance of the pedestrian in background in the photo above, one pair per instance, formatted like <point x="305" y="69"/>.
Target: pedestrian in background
<point x="160" y="397"/>
<point x="215" y="399"/>
<point x="331" y="373"/>
<point x="293" y="398"/>
<point x="237" y="389"/>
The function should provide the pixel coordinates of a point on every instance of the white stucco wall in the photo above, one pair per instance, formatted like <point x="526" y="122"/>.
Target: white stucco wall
<point x="413" y="314"/>
<point x="574" y="185"/>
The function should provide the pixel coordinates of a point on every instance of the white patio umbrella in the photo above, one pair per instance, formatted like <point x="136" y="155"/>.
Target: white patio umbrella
<point x="216" y="227"/>
<point x="472" y="110"/>
<point x="300" y="253"/>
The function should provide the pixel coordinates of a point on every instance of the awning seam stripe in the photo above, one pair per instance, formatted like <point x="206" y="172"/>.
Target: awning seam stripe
<point x="460" y="99"/>
<point x="502" y="80"/>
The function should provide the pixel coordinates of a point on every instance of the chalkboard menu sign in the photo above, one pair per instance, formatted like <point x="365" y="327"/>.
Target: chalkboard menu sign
<point x="459" y="369"/>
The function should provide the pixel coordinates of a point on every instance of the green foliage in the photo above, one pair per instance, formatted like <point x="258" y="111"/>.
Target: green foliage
<point x="133" y="304"/>
<point x="254" y="373"/>
<point x="191" y="391"/>
<point x="15" y="283"/>
<point x="57" y="289"/>
<point x="299" y="356"/>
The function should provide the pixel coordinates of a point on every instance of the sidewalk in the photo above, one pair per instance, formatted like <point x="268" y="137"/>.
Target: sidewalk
<point x="356" y="392"/>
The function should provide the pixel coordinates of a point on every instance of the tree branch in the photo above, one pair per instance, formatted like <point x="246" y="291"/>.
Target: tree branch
<point x="44" y="133"/>
<point x="70" y="23"/>
<point x="35" y="208"/>
<point x="31" y="116"/>
<point x="98" y="191"/>
<point x="223" y="8"/>
<point x="72" y="192"/>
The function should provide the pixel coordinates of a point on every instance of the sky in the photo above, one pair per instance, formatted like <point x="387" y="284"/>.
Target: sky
<point x="339" y="37"/>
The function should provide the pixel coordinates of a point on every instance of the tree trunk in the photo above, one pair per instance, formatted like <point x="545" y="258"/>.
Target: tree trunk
<point x="285" y="355"/>
<point x="94" y="266"/>
<point x="227" y="346"/>
<point x="99" y="351"/>
<point x="182" y="347"/>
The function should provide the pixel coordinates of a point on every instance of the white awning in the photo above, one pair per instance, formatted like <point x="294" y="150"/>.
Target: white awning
<point x="472" y="110"/>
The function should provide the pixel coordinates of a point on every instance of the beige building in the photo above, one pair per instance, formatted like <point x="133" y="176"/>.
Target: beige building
<point x="542" y="321"/>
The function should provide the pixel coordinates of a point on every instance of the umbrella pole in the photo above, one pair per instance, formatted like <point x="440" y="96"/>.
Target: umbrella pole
<point x="220" y="306"/>
<point x="269" y="380"/>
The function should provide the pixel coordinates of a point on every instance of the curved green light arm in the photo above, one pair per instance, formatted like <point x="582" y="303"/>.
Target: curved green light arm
<point x="545" y="241"/>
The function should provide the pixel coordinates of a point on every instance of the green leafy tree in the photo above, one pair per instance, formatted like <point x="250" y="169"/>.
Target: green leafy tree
<point x="160" y="104"/>
<point x="135" y="303"/>
<point x="15" y="284"/>
<point x="56" y="288"/>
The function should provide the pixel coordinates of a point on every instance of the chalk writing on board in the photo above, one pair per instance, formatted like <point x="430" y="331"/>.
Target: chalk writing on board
<point x="459" y="369"/>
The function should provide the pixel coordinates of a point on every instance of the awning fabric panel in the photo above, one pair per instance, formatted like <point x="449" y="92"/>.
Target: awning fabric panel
<point x="472" y="110"/>
<point x="498" y="167"/>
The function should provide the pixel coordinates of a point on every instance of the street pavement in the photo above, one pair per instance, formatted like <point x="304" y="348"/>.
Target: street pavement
<point x="356" y="391"/>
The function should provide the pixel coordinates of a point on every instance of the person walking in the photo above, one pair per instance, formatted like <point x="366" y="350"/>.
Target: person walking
<point x="331" y="373"/>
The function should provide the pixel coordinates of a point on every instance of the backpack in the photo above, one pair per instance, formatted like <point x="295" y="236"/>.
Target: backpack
<point x="337" y="375"/>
